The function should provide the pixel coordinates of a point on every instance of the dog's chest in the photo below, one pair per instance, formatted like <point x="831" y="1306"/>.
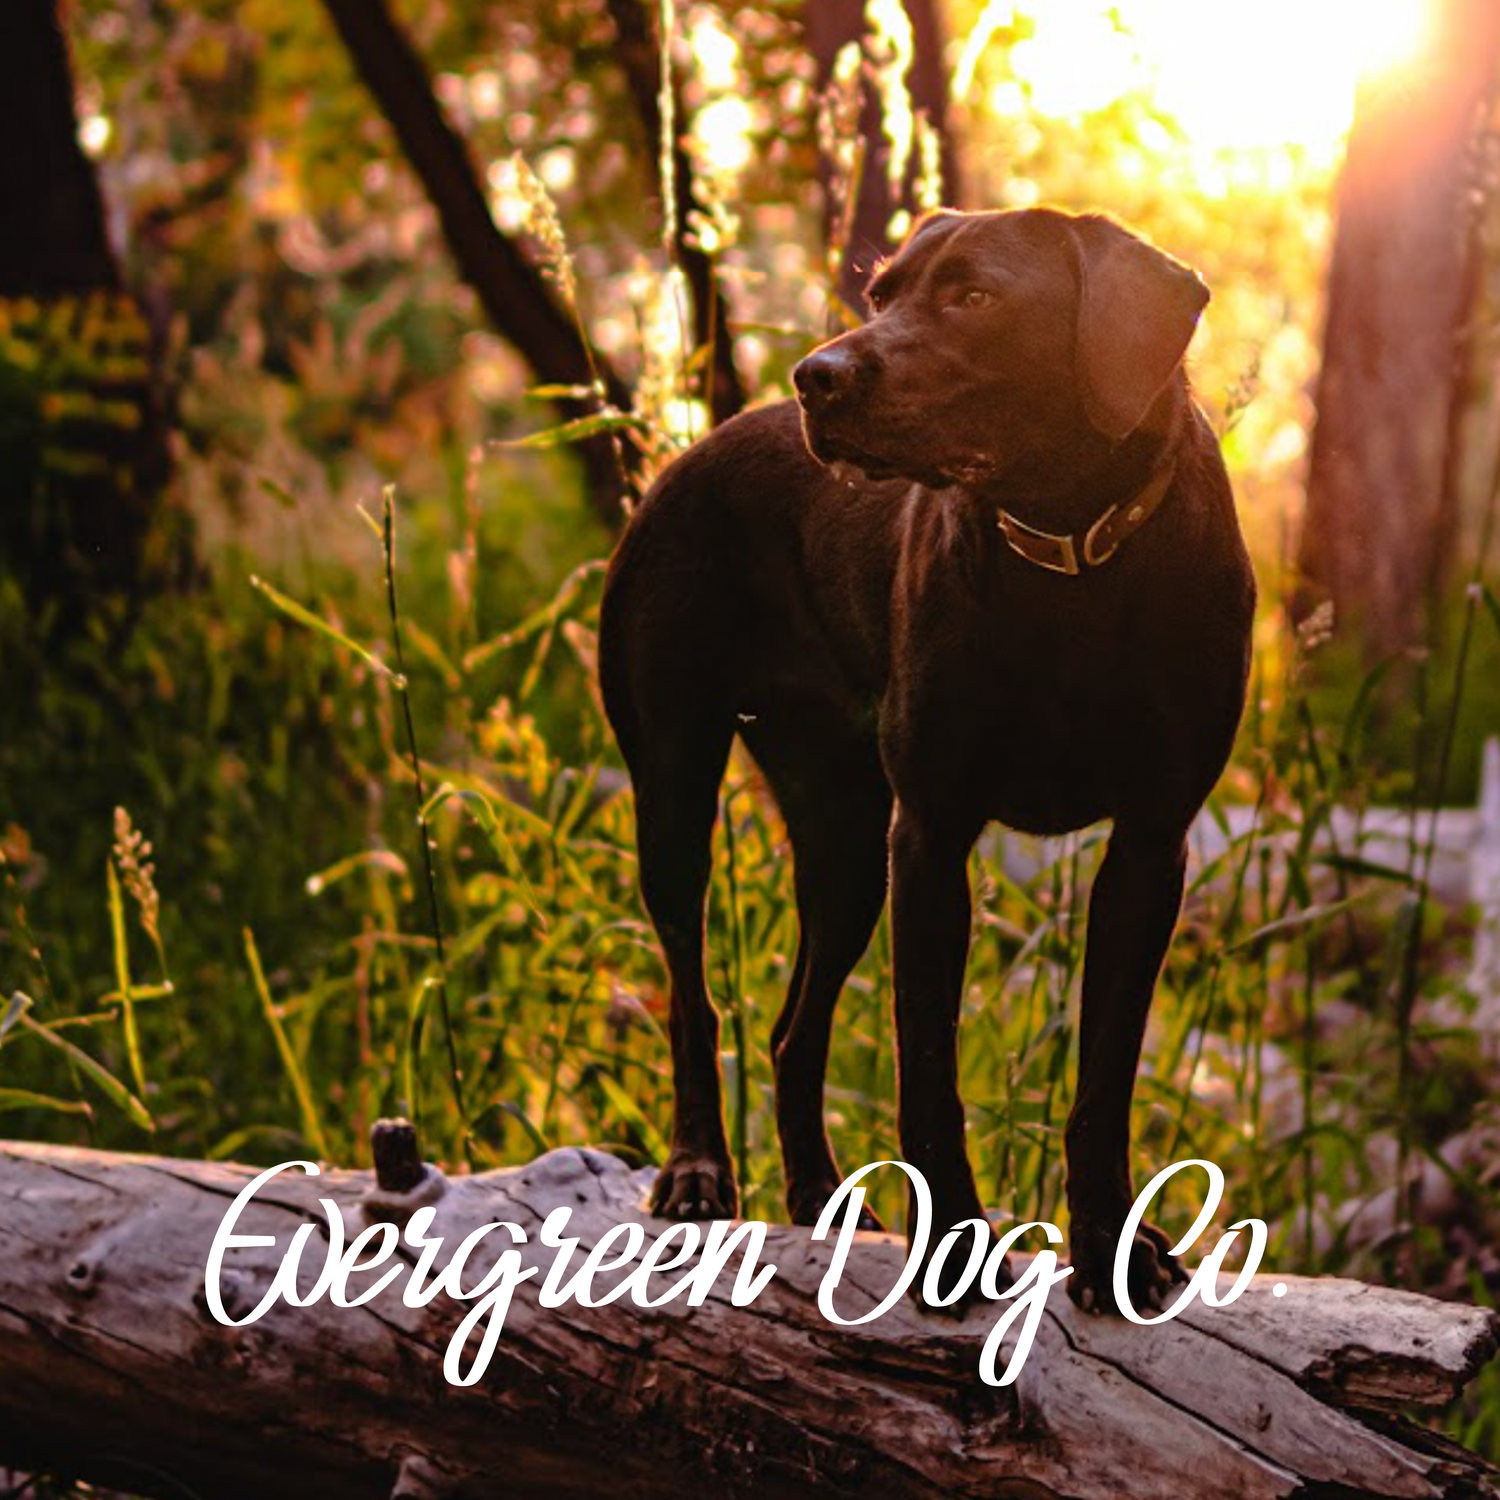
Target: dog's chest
<point x="1021" y="690"/>
<point x="1053" y="708"/>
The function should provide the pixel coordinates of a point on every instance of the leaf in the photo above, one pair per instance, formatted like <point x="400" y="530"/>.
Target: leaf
<point x="539" y="620"/>
<point x="514" y="1110"/>
<point x="1493" y="605"/>
<point x="139" y="992"/>
<point x="485" y="815"/>
<point x="19" y="1004"/>
<point x="385" y="860"/>
<point x="577" y="430"/>
<point x="429" y="648"/>
<point x="1306" y="917"/>
<point x="113" y="1089"/>
<point x="371" y="522"/>
<point x="25" y="1099"/>
<point x="304" y="616"/>
<point x="531" y="823"/>
<point x="311" y="1129"/>
<point x="1363" y="700"/>
<point x="650" y="1136"/>
<point x="416" y="1024"/>
<point x="561" y="392"/>
<point x="225" y="1149"/>
<point x="278" y="492"/>
<point x="1353" y="864"/>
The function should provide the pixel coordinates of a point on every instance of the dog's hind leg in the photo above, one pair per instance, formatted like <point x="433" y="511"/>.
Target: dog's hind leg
<point x="837" y="825"/>
<point x="664" y="638"/>
<point x="676" y="782"/>
<point x="1132" y="911"/>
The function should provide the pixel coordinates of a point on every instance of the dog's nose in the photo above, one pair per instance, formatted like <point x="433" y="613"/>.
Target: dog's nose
<point x="825" y="375"/>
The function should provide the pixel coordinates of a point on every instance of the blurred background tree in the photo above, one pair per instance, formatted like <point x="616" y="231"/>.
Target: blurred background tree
<point x="886" y="147"/>
<point x="1387" y="478"/>
<point x="80" y="444"/>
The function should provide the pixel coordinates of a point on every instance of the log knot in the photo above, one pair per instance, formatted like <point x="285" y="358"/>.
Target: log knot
<point x="83" y="1276"/>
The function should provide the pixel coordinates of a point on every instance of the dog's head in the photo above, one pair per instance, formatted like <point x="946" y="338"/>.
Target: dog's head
<point x="998" y="342"/>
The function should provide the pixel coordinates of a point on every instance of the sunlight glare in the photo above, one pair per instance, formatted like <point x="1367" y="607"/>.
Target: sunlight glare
<point x="723" y="129"/>
<point x="1235" y="76"/>
<point x="1387" y="34"/>
<point x="723" y="126"/>
<point x="1076" y="61"/>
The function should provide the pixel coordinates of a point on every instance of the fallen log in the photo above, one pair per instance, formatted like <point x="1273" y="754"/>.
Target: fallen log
<point x="113" y="1370"/>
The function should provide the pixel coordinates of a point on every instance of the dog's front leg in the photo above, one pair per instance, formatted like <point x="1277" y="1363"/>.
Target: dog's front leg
<point x="1133" y="909"/>
<point x="930" y="938"/>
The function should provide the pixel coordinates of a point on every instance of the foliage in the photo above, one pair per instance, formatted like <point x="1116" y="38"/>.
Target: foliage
<point x="74" y="406"/>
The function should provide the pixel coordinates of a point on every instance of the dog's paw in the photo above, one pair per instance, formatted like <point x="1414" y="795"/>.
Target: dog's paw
<point x="936" y="1300"/>
<point x="1151" y="1274"/>
<point x="695" y="1187"/>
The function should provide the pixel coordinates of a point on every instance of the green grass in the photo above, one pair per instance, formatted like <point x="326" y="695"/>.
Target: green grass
<point x="269" y="763"/>
<point x="393" y="872"/>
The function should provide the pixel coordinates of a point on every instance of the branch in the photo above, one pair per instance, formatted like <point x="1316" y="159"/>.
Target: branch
<point x="516" y="298"/>
<point x="111" y="1368"/>
<point x="829" y="25"/>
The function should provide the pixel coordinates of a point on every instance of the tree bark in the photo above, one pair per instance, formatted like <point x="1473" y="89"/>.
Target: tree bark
<point x="829" y="25"/>
<point x="82" y="446"/>
<point x="639" y="52"/>
<point x="513" y="292"/>
<point x="54" y="241"/>
<point x="112" y="1370"/>
<point x="1380" y="516"/>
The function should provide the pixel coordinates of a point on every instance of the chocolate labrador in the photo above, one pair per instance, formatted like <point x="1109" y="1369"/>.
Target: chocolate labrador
<point x="987" y="566"/>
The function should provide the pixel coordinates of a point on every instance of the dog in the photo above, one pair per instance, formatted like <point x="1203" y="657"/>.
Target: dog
<point x="986" y="566"/>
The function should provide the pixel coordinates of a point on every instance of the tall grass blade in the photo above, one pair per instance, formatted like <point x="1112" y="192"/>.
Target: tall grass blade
<point x="121" y="945"/>
<point x="312" y="1129"/>
<point x="304" y="616"/>
<point x="25" y="1099"/>
<point x="455" y="1074"/>
<point x="112" y="1088"/>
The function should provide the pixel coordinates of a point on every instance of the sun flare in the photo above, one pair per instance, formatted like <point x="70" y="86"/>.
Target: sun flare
<point x="1276" y="74"/>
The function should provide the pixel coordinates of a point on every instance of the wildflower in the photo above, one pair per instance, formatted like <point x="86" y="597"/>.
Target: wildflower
<point x="543" y="222"/>
<point x="1317" y="629"/>
<point x="133" y="858"/>
<point x="625" y="1011"/>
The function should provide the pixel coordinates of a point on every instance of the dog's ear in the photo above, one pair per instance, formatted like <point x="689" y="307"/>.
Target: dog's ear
<point x="1137" y="309"/>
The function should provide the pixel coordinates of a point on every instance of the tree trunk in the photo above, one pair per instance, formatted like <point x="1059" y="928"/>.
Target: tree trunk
<point x="1380" y="510"/>
<point x="54" y="240"/>
<point x="829" y="25"/>
<point x="81" y="456"/>
<point x="113" y="1370"/>
<point x="515" y="296"/>
<point x="639" y="51"/>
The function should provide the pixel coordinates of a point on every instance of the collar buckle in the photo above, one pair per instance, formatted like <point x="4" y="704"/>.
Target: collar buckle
<point x="1057" y="554"/>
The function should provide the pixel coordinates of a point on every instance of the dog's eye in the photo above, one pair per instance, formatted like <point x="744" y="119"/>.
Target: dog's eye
<point x="975" y="296"/>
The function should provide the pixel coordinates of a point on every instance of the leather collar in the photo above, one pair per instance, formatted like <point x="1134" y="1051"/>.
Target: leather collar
<point x="1069" y="554"/>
